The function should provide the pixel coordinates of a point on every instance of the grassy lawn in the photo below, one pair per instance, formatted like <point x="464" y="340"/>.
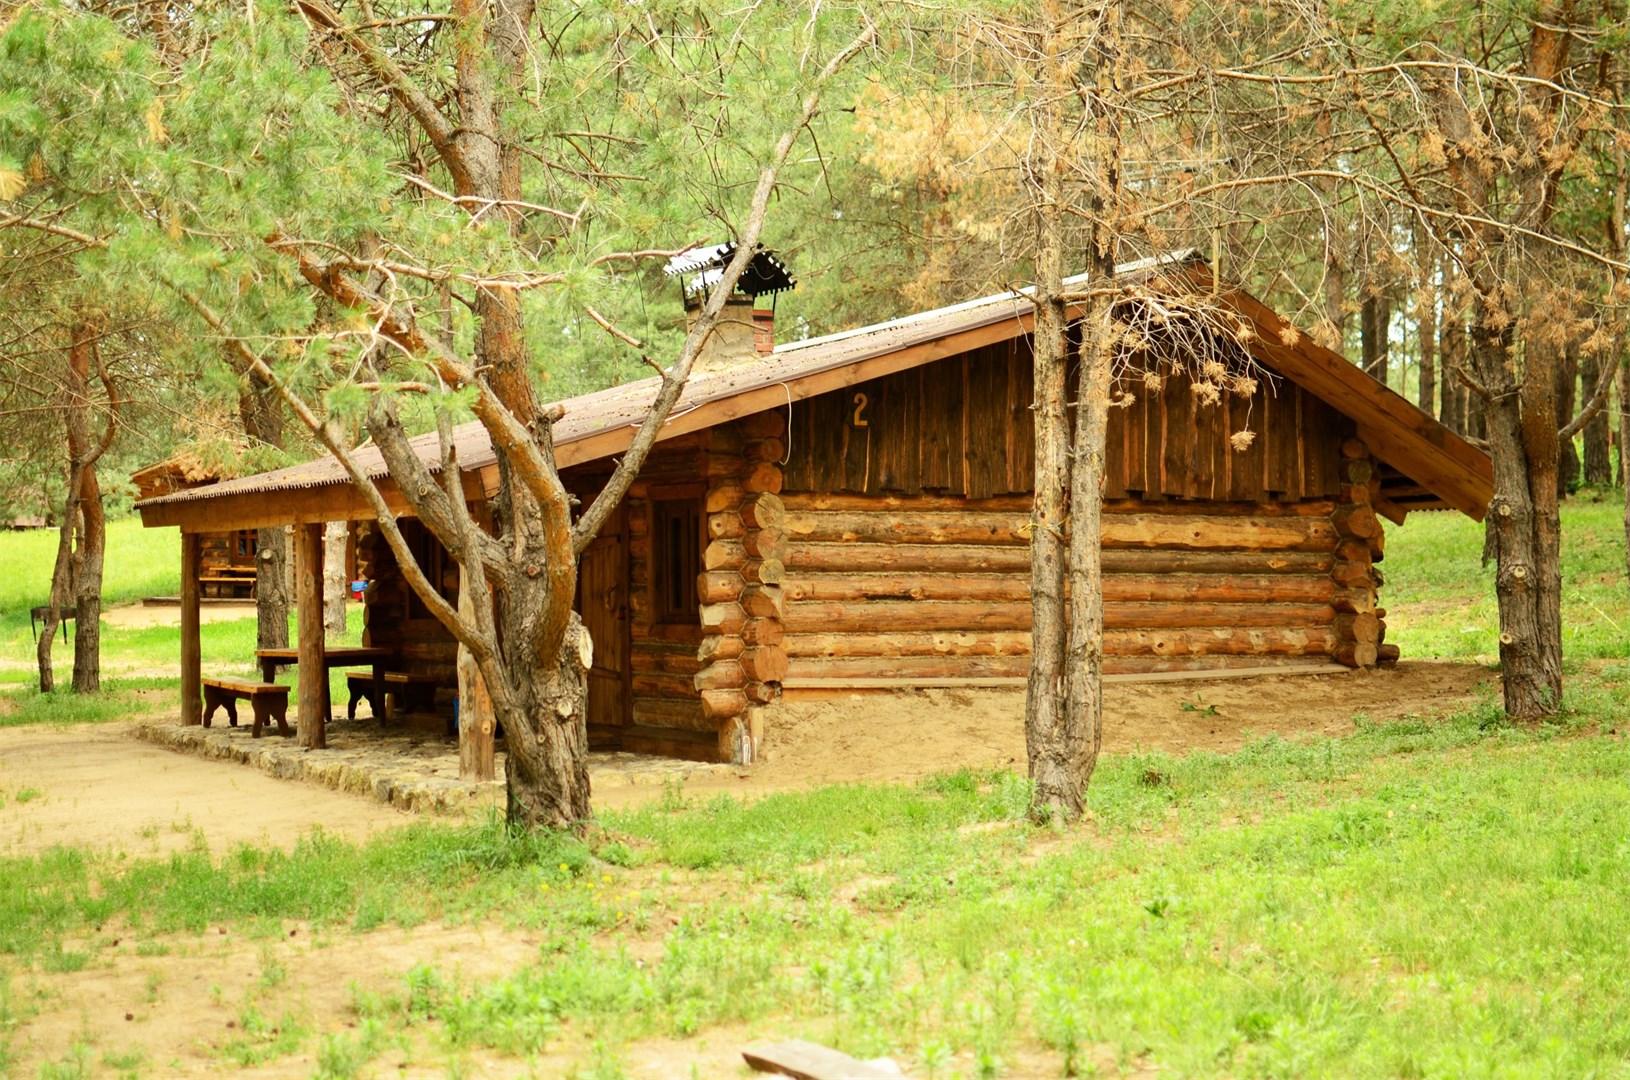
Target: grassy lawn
<point x="1422" y="898"/>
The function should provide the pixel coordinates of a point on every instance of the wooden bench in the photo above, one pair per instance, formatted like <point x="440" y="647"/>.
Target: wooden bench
<point x="412" y="692"/>
<point x="270" y="701"/>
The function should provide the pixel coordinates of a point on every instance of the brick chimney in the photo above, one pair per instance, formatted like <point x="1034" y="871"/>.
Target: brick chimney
<point x="745" y="332"/>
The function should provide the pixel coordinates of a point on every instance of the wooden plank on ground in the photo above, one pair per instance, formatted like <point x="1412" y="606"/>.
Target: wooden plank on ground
<point x="811" y="1061"/>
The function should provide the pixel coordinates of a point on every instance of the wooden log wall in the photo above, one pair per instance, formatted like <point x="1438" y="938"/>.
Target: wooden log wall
<point x="964" y="426"/>
<point x="1359" y="629"/>
<point x="665" y="707"/>
<point x="906" y="589"/>
<point x="425" y="645"/>
<point x="740" y="581"/>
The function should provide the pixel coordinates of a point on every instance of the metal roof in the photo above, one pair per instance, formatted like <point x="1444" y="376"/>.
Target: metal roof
<point x="594" y="425"/>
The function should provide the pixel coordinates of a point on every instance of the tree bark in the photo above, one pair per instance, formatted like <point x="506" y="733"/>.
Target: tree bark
<point x="1597" y="434"/>
<point x="1058" y="795"/>
<point x="1375" y="317"/>
<point x="1566" y="365"/>
<point x="262" y="417"/>
<point x="1426" y="323"/>
<point x="76" y="576"/>
<point x="336" y="583"/>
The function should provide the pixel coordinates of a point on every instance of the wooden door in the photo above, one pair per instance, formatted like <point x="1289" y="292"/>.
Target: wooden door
<point x="602" y="601"/>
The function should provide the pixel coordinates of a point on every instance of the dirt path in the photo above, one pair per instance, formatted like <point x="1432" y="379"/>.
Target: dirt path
<point x="90" y="784"/>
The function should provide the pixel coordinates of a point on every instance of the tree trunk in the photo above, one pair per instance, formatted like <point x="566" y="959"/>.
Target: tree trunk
<point x="88" y="586"/>
<point x="546" y="775"/>
<point x="262" y="416"/>
<point x="1057" y="795"/>
<point x="1567" y="455"/>
<point x="62" y="586"/>
<point x="1375" y="318"/>
<point x="1426" y="323"/>
<point x="1598" y="452"/>
<point x="1524" y="534"/>
<point x="76" y="576"/>
<point x="336" y="578"/>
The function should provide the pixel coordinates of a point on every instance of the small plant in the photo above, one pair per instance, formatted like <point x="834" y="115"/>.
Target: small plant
<point x="26" y="795"/>
<point x="1198" y="705"/>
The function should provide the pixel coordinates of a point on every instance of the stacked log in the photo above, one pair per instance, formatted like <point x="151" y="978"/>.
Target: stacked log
<point x="741" y="584"/>
<point x="894" y="589"/>
<point x="1357" y="630"/>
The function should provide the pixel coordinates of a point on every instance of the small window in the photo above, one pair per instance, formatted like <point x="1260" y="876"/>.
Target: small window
<point x="247" y="542"/>
<point x="676" y="558"/>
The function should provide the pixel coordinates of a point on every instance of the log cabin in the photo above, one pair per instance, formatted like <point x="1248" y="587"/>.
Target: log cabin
<point x="850" y="514"/>
<point x="226" y="559"/>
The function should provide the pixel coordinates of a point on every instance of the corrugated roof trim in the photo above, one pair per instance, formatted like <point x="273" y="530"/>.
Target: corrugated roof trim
<point x="625" y="406"/>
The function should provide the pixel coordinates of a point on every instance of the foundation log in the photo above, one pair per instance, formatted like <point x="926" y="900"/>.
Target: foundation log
<point x="765" y="663"/>
<point x="718" y="586"/>
<point x="724" y="555"/>
<point x="721" y="675"/>
<point x="763" y="477"/>
<point x="763" y="632"/>
<point x="723" y="704"/>
<point x="725" y="525"/>
<point x="726" y="619"/>
<point x="770" y="543"/>
<point x="724" y="495"/>
<point x="715" y="647"/>
<point x="763" y="510"/>
<point x="764" y="601"/>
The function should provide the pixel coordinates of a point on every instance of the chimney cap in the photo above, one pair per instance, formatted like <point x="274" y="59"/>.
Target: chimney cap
<point x="765" y="274"/>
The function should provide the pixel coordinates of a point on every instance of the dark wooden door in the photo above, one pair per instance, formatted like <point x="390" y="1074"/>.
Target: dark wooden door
<point x="602" y="601"/>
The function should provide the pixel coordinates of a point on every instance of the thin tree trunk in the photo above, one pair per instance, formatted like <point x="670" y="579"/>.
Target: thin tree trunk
<point x="1375" y="317"/>
<point x="76" y="577"/>
<point x="262" y="416"/>
<point x="1426" y="321"/>
<point x="1523" y="527"/>
<point x="1596" y="434"/>
<point x="336" y="583"/>
<point x="1567" y="455"/>
<point x="1057" y="796"/>
<point x="88" y="586"/>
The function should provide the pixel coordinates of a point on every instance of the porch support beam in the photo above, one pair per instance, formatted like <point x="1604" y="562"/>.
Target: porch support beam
<point x="308" y="588"/>
<point x="192" y="673"/>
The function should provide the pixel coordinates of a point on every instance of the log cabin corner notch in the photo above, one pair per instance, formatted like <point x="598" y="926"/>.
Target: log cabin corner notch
<point x="848" y="513"/>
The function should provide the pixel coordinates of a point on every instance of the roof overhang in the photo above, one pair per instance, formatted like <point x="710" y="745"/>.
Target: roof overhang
<point x="603" y="424"/>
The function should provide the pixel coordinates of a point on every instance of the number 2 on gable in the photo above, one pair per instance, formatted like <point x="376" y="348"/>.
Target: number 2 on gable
<point x="860" y="406"/>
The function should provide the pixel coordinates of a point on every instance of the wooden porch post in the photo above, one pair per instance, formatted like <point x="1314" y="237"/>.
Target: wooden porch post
<point x="192" y="672"/>
<point x="308" y="588"/>
<point x="476" y="756"/>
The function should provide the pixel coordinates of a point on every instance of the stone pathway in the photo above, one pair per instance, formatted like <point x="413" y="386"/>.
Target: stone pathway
<point x="401" y="767"/>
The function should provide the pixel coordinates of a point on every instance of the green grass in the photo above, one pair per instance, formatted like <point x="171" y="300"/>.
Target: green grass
<point x="1440" y="598"/>
<point x="140" y="562"/>
<point x="1421" y="898"/>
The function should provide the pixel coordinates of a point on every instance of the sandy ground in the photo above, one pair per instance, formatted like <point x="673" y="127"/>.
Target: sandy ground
<point x="908" y="735"/>
<point x="177" y="1001"/>
<point x="139" y="616"/>
<point x="92" y="785"/>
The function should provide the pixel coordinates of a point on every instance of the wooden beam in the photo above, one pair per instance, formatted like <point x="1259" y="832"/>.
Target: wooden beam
<point x="811" y="1061"/>
<point x="476" y="724"/>
<point x="308" y="588"/>
<point x="192" y="674"/>
<point x="296" y="506"/>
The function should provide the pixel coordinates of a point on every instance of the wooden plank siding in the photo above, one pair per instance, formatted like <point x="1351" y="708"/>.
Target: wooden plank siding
<point x="964" y="426"/>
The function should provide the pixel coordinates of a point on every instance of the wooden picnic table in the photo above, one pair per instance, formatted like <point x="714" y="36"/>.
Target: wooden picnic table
<point x="333" y="657"/>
